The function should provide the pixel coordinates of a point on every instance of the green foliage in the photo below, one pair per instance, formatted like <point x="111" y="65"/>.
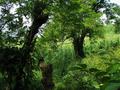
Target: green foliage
<point x="70" y="18"/>
<point x="99" y="70"/>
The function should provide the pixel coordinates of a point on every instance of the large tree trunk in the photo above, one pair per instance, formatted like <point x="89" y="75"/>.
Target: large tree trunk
<point x="47" y="80"/>
<point x="78" y="43"/>
<point x="39" y="18"/>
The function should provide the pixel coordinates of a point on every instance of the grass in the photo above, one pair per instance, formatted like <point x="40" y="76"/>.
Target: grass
<point x="102" y="53"/>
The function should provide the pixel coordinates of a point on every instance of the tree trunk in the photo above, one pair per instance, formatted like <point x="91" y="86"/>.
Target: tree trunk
<point x="47" y="80"/>
<point x="39" y="18"/>
<point x="78" y="43"/>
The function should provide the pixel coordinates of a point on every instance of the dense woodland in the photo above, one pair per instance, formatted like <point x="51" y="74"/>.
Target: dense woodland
<point x="59" y="45"/>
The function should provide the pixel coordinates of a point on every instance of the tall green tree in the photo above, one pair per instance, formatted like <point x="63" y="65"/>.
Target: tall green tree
<point x="14" y="32"/>
<point x="75" y="20"/>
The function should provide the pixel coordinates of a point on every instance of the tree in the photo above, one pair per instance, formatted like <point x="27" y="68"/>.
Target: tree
<point x="72" y="19"/>
<point x="13" y="23"/>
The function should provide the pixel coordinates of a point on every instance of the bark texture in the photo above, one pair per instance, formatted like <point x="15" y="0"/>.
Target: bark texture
<point x="47" y="80"/>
